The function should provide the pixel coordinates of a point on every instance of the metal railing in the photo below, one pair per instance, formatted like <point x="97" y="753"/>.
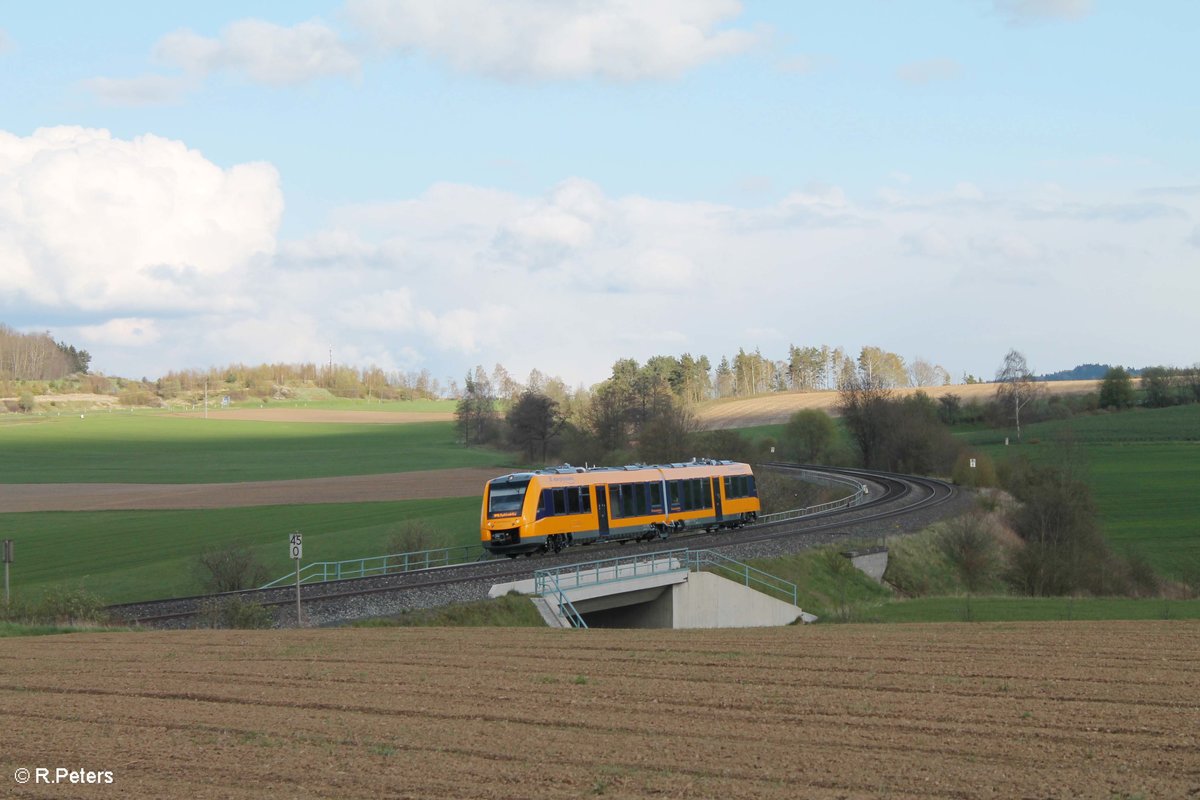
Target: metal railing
<point x="610" y="570"/>
<point x="565" y="607"/>
<point x="374" y="566"/>
<point x="860" y="491"/>
<point x="557" y="582"/>
<point x="747" y="575"/>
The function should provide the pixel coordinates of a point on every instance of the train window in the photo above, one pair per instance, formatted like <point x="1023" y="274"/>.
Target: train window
<point x="656" y="497"/>
<point x="560" y="501"/>
<point x="622" y="500"/>
<point x="505" y="498"/>
<point x="627" y="500"/>
<point x="706" y="492"/>
<point x="739" y="486"/>
<point x="673" y="491"/>
<point x="640" y="498"/>
<point x="572" y="501"/>
<point x="585" y="498"/>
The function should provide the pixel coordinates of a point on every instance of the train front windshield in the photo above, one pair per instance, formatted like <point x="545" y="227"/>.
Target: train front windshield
<point x="504" y="499"/>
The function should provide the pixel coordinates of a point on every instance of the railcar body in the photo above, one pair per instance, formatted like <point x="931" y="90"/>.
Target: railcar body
<point x="547" y="510"/>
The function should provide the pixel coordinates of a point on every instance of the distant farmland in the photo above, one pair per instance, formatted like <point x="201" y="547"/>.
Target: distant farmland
<point x="771" y="409"/>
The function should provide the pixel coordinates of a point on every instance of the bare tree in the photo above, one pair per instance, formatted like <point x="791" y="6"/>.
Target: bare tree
<point x="1016" y="386"/>
<point x="864" y="403"/>
<point x="925" y="373"/>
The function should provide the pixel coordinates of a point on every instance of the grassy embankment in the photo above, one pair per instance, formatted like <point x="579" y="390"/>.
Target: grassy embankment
<point x="135" y="555"/>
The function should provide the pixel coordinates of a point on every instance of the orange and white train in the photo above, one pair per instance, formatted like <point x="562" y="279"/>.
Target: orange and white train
<point x="547" y="510"/>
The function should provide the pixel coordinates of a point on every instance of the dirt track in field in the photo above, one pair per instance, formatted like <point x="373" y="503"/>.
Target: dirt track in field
<point x="772" y="409"/>
<point x="1053" y="710"/>
<point x="463" y="482"/>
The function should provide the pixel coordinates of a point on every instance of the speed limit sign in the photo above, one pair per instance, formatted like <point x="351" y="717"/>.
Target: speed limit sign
<point x="296" y="546"/>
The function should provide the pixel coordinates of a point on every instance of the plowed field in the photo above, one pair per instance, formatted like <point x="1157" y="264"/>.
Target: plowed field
<point x="1064" y="710"/>
<point x="463" y="482"/>
<point x="771" y="409"/>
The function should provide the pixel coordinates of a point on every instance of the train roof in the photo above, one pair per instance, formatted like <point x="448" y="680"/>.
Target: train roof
<point x="567" y="469"/>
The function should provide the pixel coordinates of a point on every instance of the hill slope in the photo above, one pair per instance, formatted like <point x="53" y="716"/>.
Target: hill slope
<point x="772" y="409"/>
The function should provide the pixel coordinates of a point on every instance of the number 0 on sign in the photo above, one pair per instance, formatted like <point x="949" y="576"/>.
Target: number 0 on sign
<point x="296" y="546"/>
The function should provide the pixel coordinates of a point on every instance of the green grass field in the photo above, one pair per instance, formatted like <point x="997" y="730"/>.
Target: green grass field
<point x="1143" y="466"/>
<point x="157" y="448"/>
<point x="1034" y="609"/>
<point x="124" y="556"/>
<point x="347" y="404"/>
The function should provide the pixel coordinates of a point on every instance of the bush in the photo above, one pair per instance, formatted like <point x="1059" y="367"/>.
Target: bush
<point x="235" y="612"/>
<point x="59" y="604"/>
<point x="808" y="437"/>
<point x="983" y="474"/>
<point x="26" y="403"/>
<point x="414" y="535"/>
<point x="137" y="395"/>
<point x="967" y="543"/>
<point x="230" y="569"/>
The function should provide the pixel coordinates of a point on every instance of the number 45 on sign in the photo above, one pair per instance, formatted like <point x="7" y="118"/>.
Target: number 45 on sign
<point x="296" y="546"/>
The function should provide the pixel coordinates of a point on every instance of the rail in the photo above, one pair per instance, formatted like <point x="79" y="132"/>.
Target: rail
<point x="860" y="492"/>
<point x="396" y="563"/>
<point x="375" y="566"/>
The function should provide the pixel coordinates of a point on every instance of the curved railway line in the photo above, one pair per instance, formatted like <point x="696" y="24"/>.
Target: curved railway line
<point x="891" y="497"/>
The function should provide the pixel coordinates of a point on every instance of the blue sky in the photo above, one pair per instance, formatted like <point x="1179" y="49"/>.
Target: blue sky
<point x="559" y="184"/>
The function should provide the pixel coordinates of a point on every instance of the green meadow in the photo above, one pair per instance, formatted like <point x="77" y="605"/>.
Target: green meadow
<point x="124" y="556"/>
<point x="161" y="448"/>
<point x="1143" y="467"/>
<point x="136" y="555"/>
<point x="1032" y="609"/>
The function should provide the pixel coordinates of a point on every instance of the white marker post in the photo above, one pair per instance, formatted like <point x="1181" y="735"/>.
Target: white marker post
<point x="296" y="551"/>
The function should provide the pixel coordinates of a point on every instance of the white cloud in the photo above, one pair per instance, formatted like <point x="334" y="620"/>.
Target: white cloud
<point x="165" y="276"/>
<point x="1029" y="12"/>
<point x="929" y="71"/>
<point x="96" y="223"/>
<point x="931" y="242"/>
<point x="147" y="90"/>
<point x="121" y="332"/>
<point x="263" y="52"/>
<point x="1007" y="247"/>
<point x="610" y="39"/>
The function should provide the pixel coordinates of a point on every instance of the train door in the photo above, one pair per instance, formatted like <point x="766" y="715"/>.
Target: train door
<point x="602" y="508"/>
<point x="716" y="490"/>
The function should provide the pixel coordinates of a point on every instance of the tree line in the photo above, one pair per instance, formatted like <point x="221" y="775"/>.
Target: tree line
<point x="38" y="357"/>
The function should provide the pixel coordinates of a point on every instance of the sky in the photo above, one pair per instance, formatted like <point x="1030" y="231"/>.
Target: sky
<point x="557" y="184"/>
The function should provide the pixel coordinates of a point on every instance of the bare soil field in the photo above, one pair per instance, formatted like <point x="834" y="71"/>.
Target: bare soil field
<point x="1036" y="710"/>
<point x="463" y="482"/>
<point x="772" y="409"/>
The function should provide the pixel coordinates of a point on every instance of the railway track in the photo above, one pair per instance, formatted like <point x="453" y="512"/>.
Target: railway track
<point x="891" y="497"/>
